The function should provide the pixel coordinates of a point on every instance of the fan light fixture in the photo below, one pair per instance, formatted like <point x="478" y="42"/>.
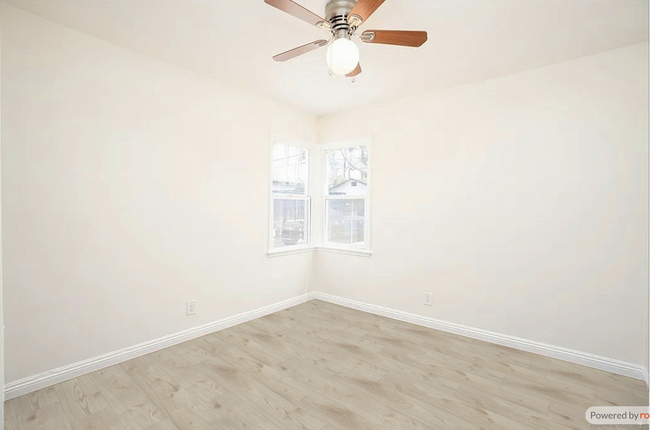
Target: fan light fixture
<point x="342" y="19"/>
<point x="342" y="56"/>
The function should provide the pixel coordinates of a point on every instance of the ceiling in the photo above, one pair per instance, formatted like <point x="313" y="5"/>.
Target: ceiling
<point x="469" y="40"/>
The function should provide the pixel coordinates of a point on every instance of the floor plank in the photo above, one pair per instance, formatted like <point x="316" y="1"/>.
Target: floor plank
<point x="136" y="410"/>
<point x="195" y="418"/>
<point x="80" y="397"/>
<point x="33" y="401"/>
<point x="237" y="415"/>
<point x="50" y="417"/>
<point x="10" y="418"/>
<point x="381" y="414"/>
<point x="102" y="420"/>
<point x="335" y="414"/>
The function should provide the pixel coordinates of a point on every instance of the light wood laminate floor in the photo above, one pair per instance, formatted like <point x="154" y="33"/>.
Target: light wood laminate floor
<point x="319" y="366"/>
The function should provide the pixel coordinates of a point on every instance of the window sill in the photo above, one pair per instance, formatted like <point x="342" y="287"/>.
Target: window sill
<point x="348" y="251"/>
<point x="332" y="249"/>
<point x="281" y="252"/>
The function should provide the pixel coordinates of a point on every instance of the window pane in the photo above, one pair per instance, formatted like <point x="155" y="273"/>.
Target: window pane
<point x="346" y="221"/>
<point x="347" y="171"/>
<point x="289" y="222"/>
<point x="290" y="165"/>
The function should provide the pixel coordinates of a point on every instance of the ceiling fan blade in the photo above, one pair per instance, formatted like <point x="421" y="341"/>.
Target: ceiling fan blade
<point x="362" y="11"/>
<point x="293" y="53"/>
<point x="395" y="37"/>
<point x="355" y="72"/>
<point x="293" y="8"/>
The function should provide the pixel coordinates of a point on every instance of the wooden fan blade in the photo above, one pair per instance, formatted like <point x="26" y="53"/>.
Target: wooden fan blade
<point x="293" y="53"/>
<point x="293" y="8"/>
<point x="395" y="37"/>
<point x="355" y="72"/>
<point x="362" y="11"/>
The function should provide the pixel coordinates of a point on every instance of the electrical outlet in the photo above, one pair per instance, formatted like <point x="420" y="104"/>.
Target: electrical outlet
<point x="191" y="307"/>
<point x="428" y="299"/>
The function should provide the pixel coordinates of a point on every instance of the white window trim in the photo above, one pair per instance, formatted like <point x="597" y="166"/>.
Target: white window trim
<point x="366" y="250"/>
<point x="291" y="249"/>
<point x="295" y="250"/>
<point x="348" y="251"/>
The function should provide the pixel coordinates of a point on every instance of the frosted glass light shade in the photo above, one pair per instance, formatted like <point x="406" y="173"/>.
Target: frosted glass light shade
<point x="342" y="56"/>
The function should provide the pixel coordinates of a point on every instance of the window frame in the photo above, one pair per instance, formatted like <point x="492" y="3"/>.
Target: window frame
<point x="366" y="249"/>
<point x="307" y="198"/>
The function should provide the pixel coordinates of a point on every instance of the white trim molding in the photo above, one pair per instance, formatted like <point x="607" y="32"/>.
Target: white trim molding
<point x="347" y="251"/>
<point x="55" y="376"/>
<point x="293" y="250"/>
<point x="560" y="353"/>
<point x="645" y="378"/>
<point x="45" y="379"/>
<point x="300" y="250"/>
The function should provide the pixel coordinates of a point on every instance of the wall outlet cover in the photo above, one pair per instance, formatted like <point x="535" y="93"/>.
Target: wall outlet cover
<point x="191" y="307"/>
<point x="428" y="299"/>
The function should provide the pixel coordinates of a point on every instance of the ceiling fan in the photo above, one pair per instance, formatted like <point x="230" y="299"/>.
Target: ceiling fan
<point x="342" y="19"/>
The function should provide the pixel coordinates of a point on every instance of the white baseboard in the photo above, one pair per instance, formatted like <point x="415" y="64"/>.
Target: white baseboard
<point x="583" y="358"/>
<point x="42" y="380"/>
<point x="645" y="378"/>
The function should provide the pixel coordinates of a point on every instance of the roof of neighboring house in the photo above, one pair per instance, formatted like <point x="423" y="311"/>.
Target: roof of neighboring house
<point x="345" y="184"/>
<point x="286" y="187"/>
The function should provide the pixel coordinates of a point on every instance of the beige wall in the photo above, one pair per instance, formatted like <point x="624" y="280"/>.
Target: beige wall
<point x="519" y="202"/>
<point x="129" y="188"/>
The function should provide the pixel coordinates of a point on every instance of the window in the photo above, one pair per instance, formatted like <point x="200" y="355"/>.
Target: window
<point x="347" y="196"/>
<point x="290" y="200"/>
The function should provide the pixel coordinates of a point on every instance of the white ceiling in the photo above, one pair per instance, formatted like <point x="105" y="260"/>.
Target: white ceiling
<point x="469" y="40"/>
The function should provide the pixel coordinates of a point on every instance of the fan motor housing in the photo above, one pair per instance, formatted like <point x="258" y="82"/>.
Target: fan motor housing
<point x="336" y="12"/>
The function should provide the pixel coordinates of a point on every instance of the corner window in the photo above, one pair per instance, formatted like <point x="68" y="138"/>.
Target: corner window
<point x="290" y="199"/>
<point x="347" y="196"/>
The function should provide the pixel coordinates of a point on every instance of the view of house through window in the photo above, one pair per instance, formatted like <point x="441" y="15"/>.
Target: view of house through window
<point x="290" y="196"/>
<point x="346" y="196"/>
